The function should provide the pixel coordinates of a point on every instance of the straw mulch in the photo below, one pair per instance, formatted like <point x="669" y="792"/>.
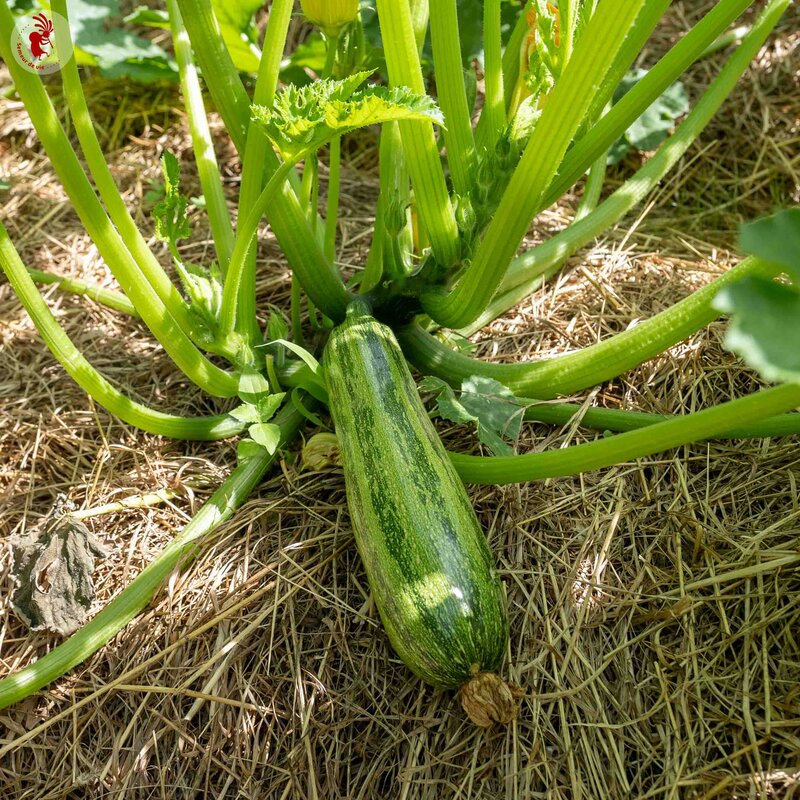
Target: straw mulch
<point x="655" y="606"/>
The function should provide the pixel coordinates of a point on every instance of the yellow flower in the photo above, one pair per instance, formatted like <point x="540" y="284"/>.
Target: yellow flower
<point x="330" y="15"/>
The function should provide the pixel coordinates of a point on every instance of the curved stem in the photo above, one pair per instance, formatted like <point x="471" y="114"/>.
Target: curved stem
<point x="202" y="144"/>
<point x="635" y="102"/>
<point x="419" y="142"/>
<point x="138" y="594"/>
<point x="150" y="268"/>
<point x="105" y="297"/>
<point x="245" y="235"/>
<point x="612" y="419"/>
<point x="563" y="113"/>
<point x="451" y="92"/>
<point x="258" y="152"/>
<point x="89" y="379"/>
<point x="705" y="424"/>
<point x="592" y="365"/>
<point x="320" y="282"/>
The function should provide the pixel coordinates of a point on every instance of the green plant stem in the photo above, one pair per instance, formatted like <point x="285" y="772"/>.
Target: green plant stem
<point x="324" y="287"/>
<point x="419" y="142"/>
<point x="591" y="191"/>
<point x="606" y="452"/>
<point x="533" y="266"/>
<point x="332" y="208"/>
<point x="258" y="151"/>
<point x="89" y="379"/>
<point x="331" y="43"/>
<point x="286" y="215"/>
<point x="245" y="235"/>
<point x="138" y="594"/>
<point x="561" y="116"/>
<point x="105" y="297"/>
<point x="202" y="143"/>
<point x="612" y="419"/>
<point x="156" y="315"/>
<point x="552" y="377"/>
<point x="451" y="93"/>
<point x="219" y="73"/>
<point x="494" y="105"/>
<point x="636" y="39"/>
<point x="569" y="16"/>
<point x="612" y="125"/>
<point x="150" y="268"/>
<point x="394" y="192"/>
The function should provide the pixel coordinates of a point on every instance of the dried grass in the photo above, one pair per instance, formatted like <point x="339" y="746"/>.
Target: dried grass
<point x="655" y="606"/>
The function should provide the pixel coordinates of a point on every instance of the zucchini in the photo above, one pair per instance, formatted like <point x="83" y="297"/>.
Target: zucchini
<point x="425" y="555"/>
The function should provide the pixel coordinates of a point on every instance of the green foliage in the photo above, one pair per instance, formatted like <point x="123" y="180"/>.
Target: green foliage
<point x="172" y="224"/>
<point x="236" y="24"/>
<point x="239" y="31"/>
<point x="765" y="325"/>
<point x="492" y="407"/>
<point x="302" y="119"/>
<point x="776" y="239"/>
<point x="652" y="127"/>
<point x="117" y="52"/>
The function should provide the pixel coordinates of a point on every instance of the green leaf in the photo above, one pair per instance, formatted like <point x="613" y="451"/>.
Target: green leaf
<point x="499" y="413"/>
<point x="298" y="405"/>
<point x="117" y="52"/>
<point x="247" y="449"/>
<point x="252" y="385"/>
<point x="267" y="435"/>
<point x="302" y="119"/>
<point x="653" y="126"/>
<point x="246" y="413"/>
<point x="5" y="185"/>
<point x="151" y="17"/>
<point x="765" y="329"/>
<point x="447" y="405"/>
<point x="267" y="406"/>
<point x="301" y="353"/>
<point x="239" y="32"/>
<point x="483" y="401"/>
<point x="172" y="224"/>
<point x="775" y="238"/>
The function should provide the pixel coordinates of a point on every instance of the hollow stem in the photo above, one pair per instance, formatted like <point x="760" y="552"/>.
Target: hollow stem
<point x="89" y="379"/>
<point x="565" y="110"/>
<point x="451" y="92"/>
<point x="202" y="144"/>
<point x="105" y="297"/>
<point x="588" y="367"/>
<point x="706" y="424"/>
<point x="670" y="67"/>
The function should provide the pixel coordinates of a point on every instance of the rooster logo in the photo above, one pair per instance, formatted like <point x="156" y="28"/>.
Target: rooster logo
<point x="40" y="38"/>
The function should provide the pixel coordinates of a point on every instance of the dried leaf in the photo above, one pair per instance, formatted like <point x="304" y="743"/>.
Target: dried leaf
<point x="52" y="568"/>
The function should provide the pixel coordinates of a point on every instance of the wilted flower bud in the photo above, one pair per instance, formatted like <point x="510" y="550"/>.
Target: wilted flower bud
<point x="330" y="15"/>
<point x="320" y="451"/>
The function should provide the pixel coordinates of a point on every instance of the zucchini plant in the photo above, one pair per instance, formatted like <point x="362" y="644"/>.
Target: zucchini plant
<point x="459" y="189"/>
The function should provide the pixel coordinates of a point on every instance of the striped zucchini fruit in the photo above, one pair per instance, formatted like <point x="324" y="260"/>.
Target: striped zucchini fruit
<point x="426" y="557"/>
